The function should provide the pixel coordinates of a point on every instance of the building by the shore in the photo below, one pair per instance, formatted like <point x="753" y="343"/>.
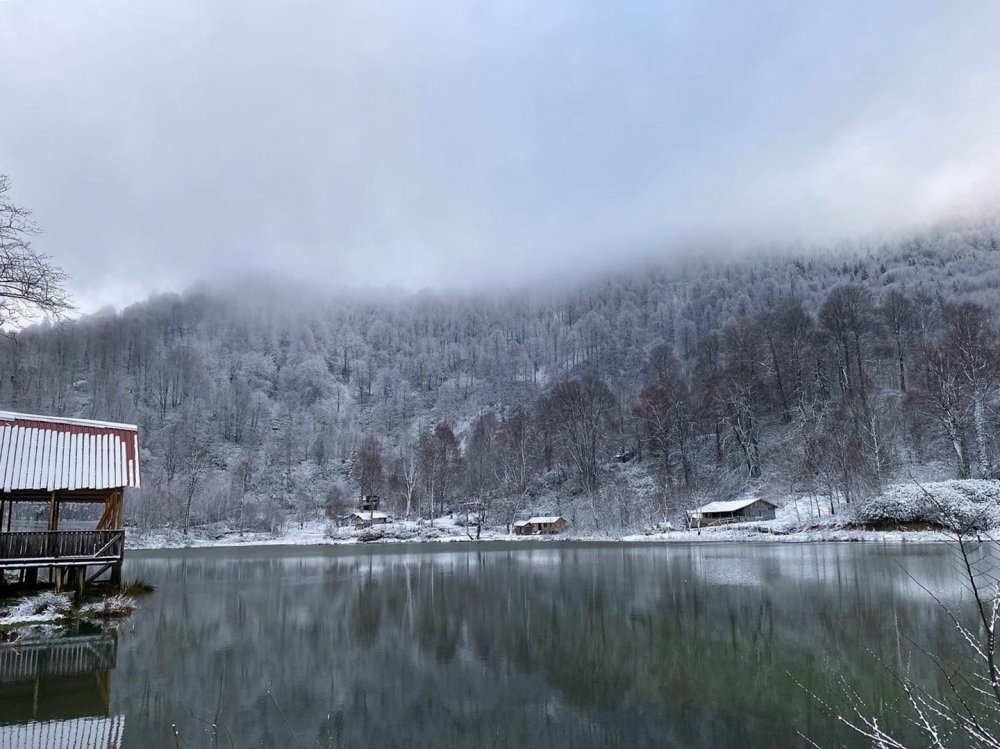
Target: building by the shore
<point x="732" y="511"/>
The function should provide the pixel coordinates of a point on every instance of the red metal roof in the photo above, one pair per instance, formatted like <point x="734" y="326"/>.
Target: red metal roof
<point x="50" y="454"/>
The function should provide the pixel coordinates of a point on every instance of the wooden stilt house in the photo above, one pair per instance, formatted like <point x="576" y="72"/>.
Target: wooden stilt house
<point x="58" y="462"/>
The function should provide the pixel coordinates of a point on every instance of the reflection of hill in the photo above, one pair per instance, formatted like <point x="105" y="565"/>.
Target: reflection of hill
<point x="563" y="646"/>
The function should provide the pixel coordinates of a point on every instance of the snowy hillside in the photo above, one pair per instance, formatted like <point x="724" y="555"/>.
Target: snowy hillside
<point x="621" y="401"/>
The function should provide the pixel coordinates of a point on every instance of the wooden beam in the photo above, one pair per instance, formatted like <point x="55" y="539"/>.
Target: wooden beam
<point x="53" y="513"/>
<point x="80" y="582"/>
<point x="62" y="495"/>
<point x="100" y="571"/>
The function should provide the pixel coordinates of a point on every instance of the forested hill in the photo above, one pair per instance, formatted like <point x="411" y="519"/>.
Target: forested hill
<point x="827" y="372"/>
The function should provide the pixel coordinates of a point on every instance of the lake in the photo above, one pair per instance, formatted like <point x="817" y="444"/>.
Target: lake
<point x="544" y="645"/>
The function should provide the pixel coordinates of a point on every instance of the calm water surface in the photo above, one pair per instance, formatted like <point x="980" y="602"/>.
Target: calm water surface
<point x="551" y="645"/>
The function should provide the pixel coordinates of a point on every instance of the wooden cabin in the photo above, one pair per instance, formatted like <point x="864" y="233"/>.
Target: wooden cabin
<point x="368" y="518"/>
<point x="733" y="511"/>
<point x="55" y="462"/>
<point x="544" y="524"/>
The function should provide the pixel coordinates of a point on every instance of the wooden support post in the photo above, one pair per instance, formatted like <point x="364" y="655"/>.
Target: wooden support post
<point x="80" y="580"/>
<point x="53" y="513"/>
<point x="59" y="579"/>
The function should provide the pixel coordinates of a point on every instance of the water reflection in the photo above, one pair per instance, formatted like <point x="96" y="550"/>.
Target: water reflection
<point x="57" y="693"/>
<point x="557" y="646"/>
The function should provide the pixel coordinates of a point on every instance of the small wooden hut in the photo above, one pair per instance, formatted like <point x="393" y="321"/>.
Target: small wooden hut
<point x="733" y="511"/>
<point x="368" y="518"/>
<point x="58" y="462"/>
<point x="547" y="524"/>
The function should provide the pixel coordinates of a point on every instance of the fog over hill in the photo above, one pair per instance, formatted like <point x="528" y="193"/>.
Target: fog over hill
<point x="829" y="373"/>
<point x="456" y="144"/>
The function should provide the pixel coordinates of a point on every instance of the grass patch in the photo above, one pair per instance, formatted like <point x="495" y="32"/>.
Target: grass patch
<point x="136" y="587"/>
<point x="111" y="607"/>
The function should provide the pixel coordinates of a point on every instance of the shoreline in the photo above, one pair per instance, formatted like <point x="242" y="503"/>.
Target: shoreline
<point x="317" y="534"/>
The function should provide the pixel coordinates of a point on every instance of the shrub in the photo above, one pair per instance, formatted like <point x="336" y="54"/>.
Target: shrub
<point x="969" y="505"/>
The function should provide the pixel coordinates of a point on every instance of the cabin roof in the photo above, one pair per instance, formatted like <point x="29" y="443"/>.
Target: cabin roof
<point x="522" y="523"/>
<point x="732" y="505"/>
<point x="370" y="515"/>
<point x="546" y="519"/>
<point x="49" y="454"/>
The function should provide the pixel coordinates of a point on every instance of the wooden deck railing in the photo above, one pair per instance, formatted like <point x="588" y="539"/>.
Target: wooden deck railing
<point x="61" y="546"/>
<point x="70" y="656"/>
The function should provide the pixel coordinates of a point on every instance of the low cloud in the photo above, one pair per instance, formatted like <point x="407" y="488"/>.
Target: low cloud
<point x="452" y="143"/>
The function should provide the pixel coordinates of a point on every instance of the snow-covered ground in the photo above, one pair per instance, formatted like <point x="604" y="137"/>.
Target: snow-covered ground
<point x="44" y="608"/>
<point x="792" y="525"/>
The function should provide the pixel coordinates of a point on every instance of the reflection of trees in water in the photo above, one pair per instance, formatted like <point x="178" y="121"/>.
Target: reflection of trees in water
<point x="627" y="646"/>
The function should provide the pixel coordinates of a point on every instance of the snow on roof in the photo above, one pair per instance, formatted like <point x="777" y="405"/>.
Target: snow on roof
<point x="546" y="519"/>
<point x="13" y="416"/>
<point x="370" y="514"/>
<point x="48" y="454"/>
<point x="522" y="523"/>
<point x="731" y="505"/>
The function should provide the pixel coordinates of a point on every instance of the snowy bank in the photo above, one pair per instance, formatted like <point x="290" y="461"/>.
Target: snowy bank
<point x="445" y="530"/>
<point x="51" y="614"/>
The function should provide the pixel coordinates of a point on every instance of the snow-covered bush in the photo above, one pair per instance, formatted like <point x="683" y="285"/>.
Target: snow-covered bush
<point x="957" y="505"/>
<point x="44" y="607"/>
<point x="111" y="607"/>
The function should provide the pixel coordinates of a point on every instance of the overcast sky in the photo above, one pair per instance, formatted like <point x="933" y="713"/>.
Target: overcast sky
<point x="456" y="142"/>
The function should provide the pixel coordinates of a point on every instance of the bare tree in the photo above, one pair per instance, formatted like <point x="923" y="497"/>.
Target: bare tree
<point x="849" y="315"/>
<point x="439" y="462"/>
<point x="581" y="413"/>
<point x="513" y="462"/>
<point x="741" y="392"/>
<point x="369" y="463"/>
<point x="405" y="479"/>
<point x="972" y="343"/>
<point x="662" y="411"/>
<point x="900" y="317"/>
<point x="29" y="281"/>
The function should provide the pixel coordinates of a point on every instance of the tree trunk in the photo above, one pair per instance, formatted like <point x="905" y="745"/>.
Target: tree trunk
<point x="786" y="414"/>
<point x="985" y="467"/>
